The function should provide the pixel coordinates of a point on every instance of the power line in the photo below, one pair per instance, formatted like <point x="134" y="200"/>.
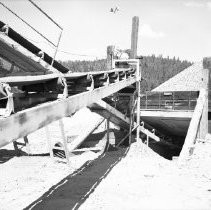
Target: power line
<point x="61" y="51"/>
<point x="84" y="55"/>
<point x="27" y="23"/>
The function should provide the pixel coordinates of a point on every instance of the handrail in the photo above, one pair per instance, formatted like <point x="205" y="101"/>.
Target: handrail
<point x="28" y="45"/>
<point x="53" y="21"/>
<point x="34" y="29"/>
<point x="194" y="126"/>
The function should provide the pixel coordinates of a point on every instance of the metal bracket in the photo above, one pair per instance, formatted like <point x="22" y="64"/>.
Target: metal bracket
<point x="5" y="29"/>
<point x="65" y="91"/>
<point x="91" y="87"/>
<point x="5" y="89"/>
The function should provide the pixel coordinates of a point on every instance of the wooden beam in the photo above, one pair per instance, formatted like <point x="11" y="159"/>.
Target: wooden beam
<point x="79" y="140"/>
<point x="118" y="118"/>
<point x="108" y="112"/>
<point x="25" y="122"/>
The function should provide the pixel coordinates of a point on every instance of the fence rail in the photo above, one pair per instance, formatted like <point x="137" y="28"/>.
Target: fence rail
<point x="179" y="100"/>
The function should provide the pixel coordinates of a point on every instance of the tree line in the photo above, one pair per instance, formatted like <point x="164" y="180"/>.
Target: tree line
<point x="154" y="70"/>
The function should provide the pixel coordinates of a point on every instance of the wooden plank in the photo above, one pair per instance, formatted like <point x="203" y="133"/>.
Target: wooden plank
<point x="30" y="120"/>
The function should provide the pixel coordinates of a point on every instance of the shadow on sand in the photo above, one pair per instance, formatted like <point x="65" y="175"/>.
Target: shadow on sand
<point x="73" y="190"/>
<point x="6" y="155"/>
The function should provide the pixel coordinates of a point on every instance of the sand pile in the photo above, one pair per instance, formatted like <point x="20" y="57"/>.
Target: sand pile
<point x="144" y="180"/>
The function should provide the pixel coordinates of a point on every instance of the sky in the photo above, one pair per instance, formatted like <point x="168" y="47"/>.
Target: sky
<point x="180" y="28"/>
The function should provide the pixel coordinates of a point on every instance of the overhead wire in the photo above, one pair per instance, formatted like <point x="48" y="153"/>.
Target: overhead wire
<point x="45" y="14"/>
<point x="61" y="51"/>
<point x="27" y="23"/>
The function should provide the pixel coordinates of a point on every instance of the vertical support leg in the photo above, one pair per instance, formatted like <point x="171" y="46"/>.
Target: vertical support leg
<point x="159" y="100"/>
<point x="131" y="118"/>
<point x="173" y="101"/>
<point x="26" y="141"/>
<point x="15" y="145"/>
<point x="146" y="105"/>
<point x="108" y="130"/>
<point x="189" y="97"/>
<point x="147" y="141"/>
<point x="138" y="77"/>
<point x="61" y="125"/>
<point x="26" y="144"/>
<point x="49" y="142"/>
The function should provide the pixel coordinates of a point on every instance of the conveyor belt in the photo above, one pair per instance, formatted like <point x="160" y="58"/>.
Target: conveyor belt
<point x="14" y="56"/>
<point x="27" y="121"/>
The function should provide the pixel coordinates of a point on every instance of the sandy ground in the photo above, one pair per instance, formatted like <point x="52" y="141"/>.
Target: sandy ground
<point x="145" y="180"/>
<point x="24" y="179"/>
<point x="142" y="180"/>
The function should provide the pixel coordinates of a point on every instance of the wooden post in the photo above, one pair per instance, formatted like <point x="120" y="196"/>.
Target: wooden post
<point x="146" y="101"/>
<point x="110" y="54"/>
<point x="194" y="126"/>
<point x="49" y="142"/>
<point x="61" y="125"/>
<point x="134" y="37"/>
<point x="26" y="141"/>
<point x="207" y="65"/>
<point x="132" y="103"/>
<point x="138" y="79"/>
<point x="26" y="144"/>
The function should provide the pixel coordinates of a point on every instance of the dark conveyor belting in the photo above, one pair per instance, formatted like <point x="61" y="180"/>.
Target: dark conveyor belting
<point x="31" y="47"/>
